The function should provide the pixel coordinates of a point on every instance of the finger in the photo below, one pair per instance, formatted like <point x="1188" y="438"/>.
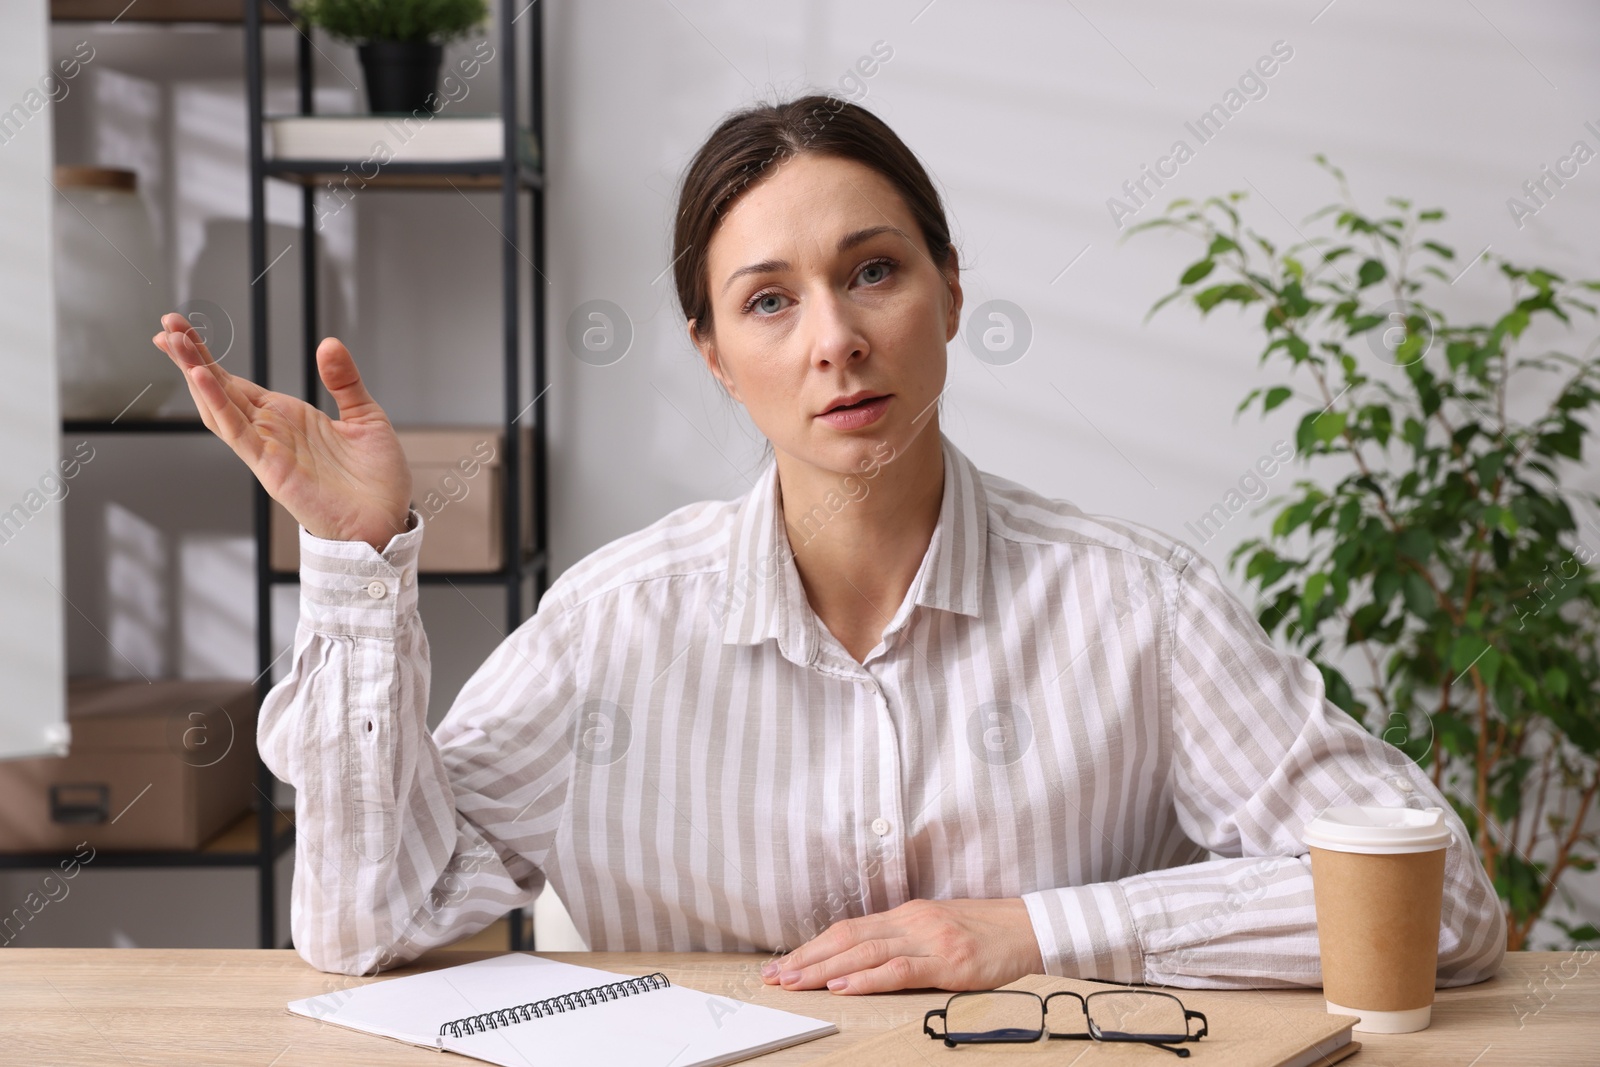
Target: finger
<point x="163" y="341"/>
<point x="898" y="972"/>
<point x="182" y="350"/>
<point x="837" y="938"/>
<point x="858" y="957"/>
<point x="338" y="370"/>
<point x="176" y="323"/>
<point x="186" y="349"/>
<point x="245" y="394"/>
<point x="226" y="420"/>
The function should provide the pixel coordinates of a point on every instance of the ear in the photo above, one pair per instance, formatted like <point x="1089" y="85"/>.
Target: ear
<point x="952" y="275"/>
<point x="708" y="352"/>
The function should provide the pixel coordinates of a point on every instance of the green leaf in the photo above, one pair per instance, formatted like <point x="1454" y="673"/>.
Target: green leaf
<point x="1578" y="935"/>
<point x="1501" y="544"/>
<point x="1372" y="271"/>
<point x="1513" y="322"/>
<point x="1415" y="434"/>
<point x="1293" y="517"/>
<point x="1206" y="299"/>
<point x="1329" y="424"/>
<point x="1419" y="596"/>
<point x="1417" y="544"/>
<point x="1197" y="271"/>
<point x="1221" y="243"/>
<point x="1316" y="585"/>
<point x="1275" y="396"/>
<point x="1489" y="667"/>
<point x="1466" y="651"/>
<point x="1384" y="586"/>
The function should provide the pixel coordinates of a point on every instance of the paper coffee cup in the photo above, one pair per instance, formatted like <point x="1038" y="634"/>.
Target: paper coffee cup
<point x="1378" y="877"/>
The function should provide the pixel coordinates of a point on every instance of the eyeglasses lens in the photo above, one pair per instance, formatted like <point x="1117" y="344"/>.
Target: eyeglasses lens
<point x="1135" y="1015"/>
<point x="994" y="1016"/>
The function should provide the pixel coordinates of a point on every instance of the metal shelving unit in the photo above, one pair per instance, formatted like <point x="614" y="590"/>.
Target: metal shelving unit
<point x="513" y="179"/>
<point x="259" y="839"/>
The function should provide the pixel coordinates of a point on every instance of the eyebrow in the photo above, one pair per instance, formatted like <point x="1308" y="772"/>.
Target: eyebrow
<point x="847" y="242"/>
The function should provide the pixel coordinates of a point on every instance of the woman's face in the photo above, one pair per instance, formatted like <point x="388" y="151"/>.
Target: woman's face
<point x="822" y="292"/>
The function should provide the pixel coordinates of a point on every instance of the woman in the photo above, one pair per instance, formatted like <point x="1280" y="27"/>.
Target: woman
<point x="901" y="722"/>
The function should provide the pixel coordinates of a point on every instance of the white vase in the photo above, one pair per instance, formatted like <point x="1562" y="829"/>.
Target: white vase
<point x="111" y="290"/>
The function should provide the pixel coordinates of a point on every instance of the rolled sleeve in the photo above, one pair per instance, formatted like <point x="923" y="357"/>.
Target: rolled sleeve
<point x="1086" y="931"/>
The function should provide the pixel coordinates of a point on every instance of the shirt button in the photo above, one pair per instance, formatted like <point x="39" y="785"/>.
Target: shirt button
<point x="405" y="578"/>
<point x="377" y="590"/>
<point x="880" y="826"/>
<point x="1402" y="784"/>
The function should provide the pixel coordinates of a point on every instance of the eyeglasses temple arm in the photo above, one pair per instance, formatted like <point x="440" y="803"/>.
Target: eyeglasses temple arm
<point x="1181" y="1053"/>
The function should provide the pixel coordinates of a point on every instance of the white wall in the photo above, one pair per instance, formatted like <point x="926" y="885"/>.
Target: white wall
<point x="30" y="437"/>
<point x="1030" y="115"/>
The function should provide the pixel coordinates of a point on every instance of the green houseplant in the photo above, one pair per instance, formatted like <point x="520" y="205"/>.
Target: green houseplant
<point x="400" y="42"/>
<point x="1441" y="548"/>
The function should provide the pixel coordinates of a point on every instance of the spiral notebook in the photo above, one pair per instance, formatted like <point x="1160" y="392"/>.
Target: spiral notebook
<point x="516" y="1010"/>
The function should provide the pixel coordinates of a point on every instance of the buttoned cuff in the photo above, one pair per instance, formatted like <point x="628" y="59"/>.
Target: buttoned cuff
<point x="1086" y="931"/>
<point x="349" y="588"/>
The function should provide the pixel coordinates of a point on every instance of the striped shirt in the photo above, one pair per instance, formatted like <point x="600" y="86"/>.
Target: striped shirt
<point x="1066" y="708"/>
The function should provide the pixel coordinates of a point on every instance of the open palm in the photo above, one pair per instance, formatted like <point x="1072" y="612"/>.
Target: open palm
<point x="343" y="479"/>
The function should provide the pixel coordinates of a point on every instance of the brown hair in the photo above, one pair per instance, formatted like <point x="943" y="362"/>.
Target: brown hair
<point x="753" y="142"/>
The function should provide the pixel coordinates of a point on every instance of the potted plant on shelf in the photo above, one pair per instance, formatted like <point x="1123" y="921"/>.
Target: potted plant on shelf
<point x="1441" y="547"/>
<point x="400" y="43"/>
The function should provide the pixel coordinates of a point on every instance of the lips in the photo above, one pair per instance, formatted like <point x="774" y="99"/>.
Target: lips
<point x="857" y="411"/>
<point x="851" y="401"/>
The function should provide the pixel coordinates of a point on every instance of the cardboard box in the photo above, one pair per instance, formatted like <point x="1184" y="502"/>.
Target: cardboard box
<point x="458" y="486"/>
<point x="159" y="765"/>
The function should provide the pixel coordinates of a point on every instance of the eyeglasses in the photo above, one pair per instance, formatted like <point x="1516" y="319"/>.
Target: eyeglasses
<point x="1015" y="1015"/>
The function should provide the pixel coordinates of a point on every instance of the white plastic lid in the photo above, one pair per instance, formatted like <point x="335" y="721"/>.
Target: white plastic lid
<point x="1379" y="830"/>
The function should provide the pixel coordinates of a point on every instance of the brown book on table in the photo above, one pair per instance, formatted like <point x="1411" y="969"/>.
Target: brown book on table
<point x="1244" y="1029"/>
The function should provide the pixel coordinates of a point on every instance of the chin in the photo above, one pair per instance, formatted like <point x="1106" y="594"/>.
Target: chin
<point x="863" y="453"/>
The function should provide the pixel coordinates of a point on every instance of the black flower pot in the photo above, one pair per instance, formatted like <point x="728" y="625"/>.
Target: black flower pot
<point x="400" y="75"/>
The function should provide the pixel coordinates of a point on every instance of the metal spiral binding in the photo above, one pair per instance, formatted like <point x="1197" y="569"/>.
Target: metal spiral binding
<point x="493" y="1020"/>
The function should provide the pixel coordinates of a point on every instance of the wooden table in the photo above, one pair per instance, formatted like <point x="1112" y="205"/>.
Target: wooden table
<point x="226" y="1007"/>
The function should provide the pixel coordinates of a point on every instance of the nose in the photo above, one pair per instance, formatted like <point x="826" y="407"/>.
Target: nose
<point x="836" y="337"/>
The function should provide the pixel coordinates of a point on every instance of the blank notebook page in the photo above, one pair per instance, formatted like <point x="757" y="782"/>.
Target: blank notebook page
<point x="673" y="1026"/>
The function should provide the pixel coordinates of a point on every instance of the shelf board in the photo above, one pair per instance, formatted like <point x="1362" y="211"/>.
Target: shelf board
<point x="466" y="174"/>
<point x="240" y="838"/>
<point x="224" y="11"/>
<point x="177" y="425"/>
<point x="233" y="847"/>
<point x="530" y="563"/>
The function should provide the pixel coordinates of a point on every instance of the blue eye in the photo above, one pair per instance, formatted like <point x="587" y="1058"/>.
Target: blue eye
<point x="881" y="266"/>
<point x="765" y="301"/>
<point x="768" y="303"/>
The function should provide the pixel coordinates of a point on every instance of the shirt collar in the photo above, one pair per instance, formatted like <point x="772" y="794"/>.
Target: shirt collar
<point x="764" y="598"/>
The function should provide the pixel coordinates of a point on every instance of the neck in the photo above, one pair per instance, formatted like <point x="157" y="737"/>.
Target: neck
<point x="859" y="539"/>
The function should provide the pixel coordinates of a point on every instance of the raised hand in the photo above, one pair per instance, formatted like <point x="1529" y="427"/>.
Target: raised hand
<point x="343" y="479"/>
